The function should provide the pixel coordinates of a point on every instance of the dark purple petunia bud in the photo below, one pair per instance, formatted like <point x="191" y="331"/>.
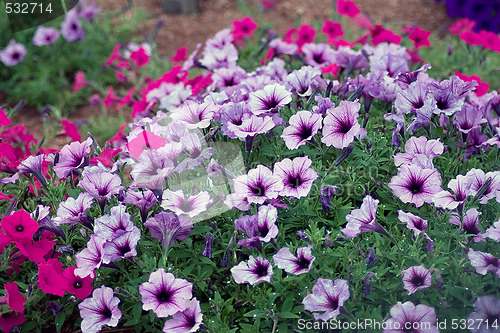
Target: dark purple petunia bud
<point x="367" y="282"/>
<point x="225" y="260"/>
<point x="370" y="257"/>
<point x="302" y="235"/>
<point x="327" y="242"/>
<point x="326" y="194"/>
<point x="345" y="153"/>
<point x="55" y="308"/>
<point x="207" y="251"/>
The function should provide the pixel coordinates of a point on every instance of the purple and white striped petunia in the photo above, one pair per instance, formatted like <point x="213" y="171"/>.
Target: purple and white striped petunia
<point x="100" y="183"/>
<point x="72" y="157"/>
<point x="260" y="227"/>
<point x="297" y="265"/>
<point x="461" y="191"/>
<point x="258" y="185"/>
<point x="165" y="294"/>
<point x="194" y="115"/>
<point x="468" y="118"/>
<point x="304" y="81"/>
<point x="303" y="126"/>
<point x="415" y="147"/>
<point x="297" y="176"/>
<point x="484" y="262"/>
<point x="251" y="126"/>
<point x="167" y="228"/>
<point x="73" y="210"/>
<point x="153" y="168"/>
<point x="121" y="247"/>
<point x="45" y="36"/>
<point x="185" y="321"/>
<point x="406" y="316"/>
<point x="114" y="225"/>
<point x="71" y="27"/>
<point x="100" y="310"/>
<point x="91" y="257"/>
<point x="486" y="318"/>
<point x="363" y="219"/>
<point x="416" y="278"/>
<point x="415" y="185"/>
<point x="341" y="125"/>
<point x="479" y="178"/>
<point x="493" y="232"/>
<point x="13" y="54"/>
<point x="270" y="99"/>
<point x="179" y="204"/>
<point x="415" y="223"/>
<point x="253" y="271"/>
<point x="328" y="297"/>
<point x="318" y="55"/>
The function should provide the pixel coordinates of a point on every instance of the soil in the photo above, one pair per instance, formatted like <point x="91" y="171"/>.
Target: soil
<point x="188" y="30"/>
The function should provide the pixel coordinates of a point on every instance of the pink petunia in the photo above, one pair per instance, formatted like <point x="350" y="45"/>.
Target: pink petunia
<point x="71" y="130"/>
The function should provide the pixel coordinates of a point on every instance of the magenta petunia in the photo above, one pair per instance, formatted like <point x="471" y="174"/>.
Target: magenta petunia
<point x="328" y="297"/>
<point x="253" y="271"/>
<point x="100" y="310"/>
<point x="79" y="287"/>
<point x="363" y="219"/>
<point x="50" y="277"/>
<point x="416" y="278"/>
<point x="19" y="227"/>
<point x="302" y="127"/>
<point x="258" y="185"/>
<point x="165" y="294"/>
<point x="297" y="265"/>
<point x="13" y="298"/>
<point x="297" y="176"/>
<point x="415" y="185"/>
<point x="341" y="126"/>
<point x="185" y="321"/>
<point x="405" y="316"/>
<point x="10" y="319"/>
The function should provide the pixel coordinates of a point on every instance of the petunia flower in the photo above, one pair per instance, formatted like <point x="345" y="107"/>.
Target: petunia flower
<point x="297" y="176"/>
<point x="297" y="265"/>
<point x="50" y="277"/>
<point x="461" y="191"/>
<point x="414" y="97"/>
<point x="326" y="194"/>
<point x="244" y="27"/>
<point x="71" y="27"/>
<point x="45" y="36"/>
<point x="484" y="262"/>
<point x="165" y="294"/>
<point x="363" y="219"/>
<point x="341" y="126"/>
<point x="270" y="99"/>
<point x="486" y="316"/>
<point x="80" y="287"/>
<point x="304" y="81"/>
<point x="302" y="127"/>
<point x="13" y="298"/>
<point x="185" y="321"/>
<point x="10" y="319"/>
<point x="190" y="206"/>
<point x="151" y="170"/>
<point x="91" y="257"/>
<point x="419" y="37"/>
<point x="114" y="225"/>
<point x="328" y="297"/>
<point x="415" y="185"/>
<point x="258" y="185"/>
<point x="19" y="226"/>
<point x="167" y="228"/>
<point x="416" y="224"/>
<point x="73" y="210"/>
<point x="347" y="8"/>
<point x="194" y="115"/>
<point x="478" y="179"/>
<point x="253" y="271"/>
<point x="100" y="183"/>
<point x="260" y="227"/>
<point x="145" y="200"/>
<point x="72" y="157"/>
<point x="492" y="232"/>
<point x="318" y="55"/>
<point x="100" y="310"/>
<point x="416" y="278"/>
<point x="13" y="54"/>
<point x="123" y="246"/>
<point x="469" y="118"/>
<point x="404" y="315"/>
<point x="419" y="146"/>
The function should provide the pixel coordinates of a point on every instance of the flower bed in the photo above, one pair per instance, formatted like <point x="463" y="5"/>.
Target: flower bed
<point x="277" y="186"/>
